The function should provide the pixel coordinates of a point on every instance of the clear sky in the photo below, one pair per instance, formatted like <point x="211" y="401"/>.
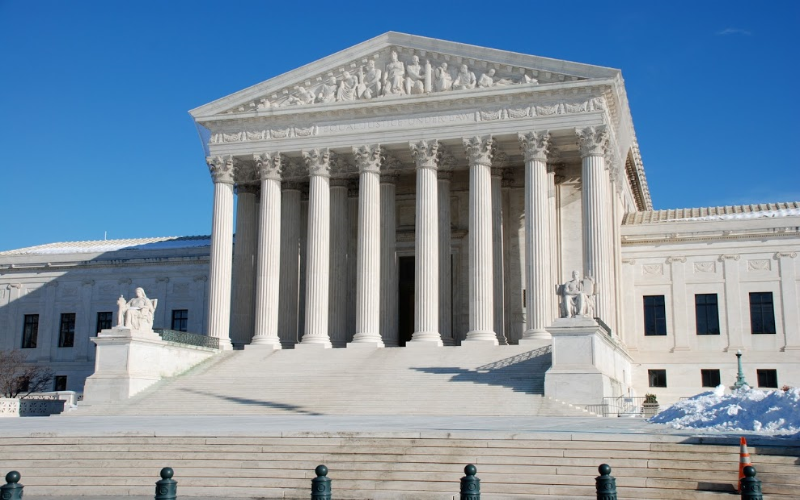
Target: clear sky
<point x="95" y="137"/>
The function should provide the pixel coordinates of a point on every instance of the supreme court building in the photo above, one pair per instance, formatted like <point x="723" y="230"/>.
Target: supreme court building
<point x="415" y="192"/>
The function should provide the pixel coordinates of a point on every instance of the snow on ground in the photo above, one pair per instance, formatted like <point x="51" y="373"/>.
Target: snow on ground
<point x="744" y="410"/>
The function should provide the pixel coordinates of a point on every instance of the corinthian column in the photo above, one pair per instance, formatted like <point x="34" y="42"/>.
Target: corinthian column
<point x="318" y="253"/>
<point x="534" y="146"/>
<point x="426" y="247"/>
<point x="289" y="296"/>
<point x="598" y="252"/>
<point x="445" y="278"/>
<point x="497" y="256"/>
<point x="389" y="285"/>
<point x="340" y="238"/>
<point x="269" y="252"/>
<point x="368" y="274"/>
<point x="481" y="272"/>
<point x="244" y="257"/>
<point x="219" y="283"/>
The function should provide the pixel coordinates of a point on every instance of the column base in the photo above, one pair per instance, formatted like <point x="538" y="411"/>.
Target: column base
<point x="424" y="342"/>
<point x="482" y="336"/>
<point x="365" y="344"/>
<point x="264" y="345"/>
<point x="367" y="340"/>
<point x="225" y="345"/>
<point x="535" y="335"/>
<point x="313" y="345"/>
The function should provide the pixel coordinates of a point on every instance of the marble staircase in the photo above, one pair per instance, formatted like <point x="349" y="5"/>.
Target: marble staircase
<point x="369" y="466"/>
<point x="474" y="380"/>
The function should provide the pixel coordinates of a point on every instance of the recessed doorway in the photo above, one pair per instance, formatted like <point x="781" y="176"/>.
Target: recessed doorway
<point x="405" y="307"/>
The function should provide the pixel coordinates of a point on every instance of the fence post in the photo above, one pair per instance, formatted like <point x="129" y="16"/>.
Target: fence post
<point x="749" y="485"/>
<point x="321" y="485"/>
<point x="12" y="490"/>
<point x="166" y="487"/>
<point x="605" y="484"/>
<point x="470" y="485"/>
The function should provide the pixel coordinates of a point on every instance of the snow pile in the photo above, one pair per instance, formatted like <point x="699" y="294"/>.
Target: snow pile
<point x="765" y="412"/>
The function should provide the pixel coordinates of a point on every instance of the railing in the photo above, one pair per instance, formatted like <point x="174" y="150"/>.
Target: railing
<point x="624" y="406"/>
<point x="187" y="338"/>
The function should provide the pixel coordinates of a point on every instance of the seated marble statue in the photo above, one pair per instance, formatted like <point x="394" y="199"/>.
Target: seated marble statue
<point x="138" y="312"/>
<point x="577" y="297"/>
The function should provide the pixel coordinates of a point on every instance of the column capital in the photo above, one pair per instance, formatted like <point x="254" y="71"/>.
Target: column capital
<point x="592" y="141"/>
<point x="269" y="165"/>
<point x="221" y="169"/>
<point x="479" y="150"/>
<point x="535" y="145"/>
<point x="788" y="255"/>
<point x="318" y="162"/>
<point x="368" y="158"/>
<point x="425" y="153"/>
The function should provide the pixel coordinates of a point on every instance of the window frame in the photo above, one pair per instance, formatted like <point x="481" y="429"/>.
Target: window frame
<point x="66" y="330"/>
<point x="706" y="311"/>
<point x="655" y="315"/>
<point x="30" y="331"/>
<point x="103" y="322"/>
<point x="761" y="310"/>
<point x="767" y="372"/>
<point x="654" y="375"/>
<point x="56" y="380"/>
<point x="181" y="321"/>
<point x="709" y="371"/>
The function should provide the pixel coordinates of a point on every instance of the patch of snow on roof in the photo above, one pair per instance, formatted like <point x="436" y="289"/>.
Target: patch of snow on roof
<point x="744" y="410"/>
<point x="103" y="246"/>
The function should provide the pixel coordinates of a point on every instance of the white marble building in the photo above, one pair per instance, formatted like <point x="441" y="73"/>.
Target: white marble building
<point x="415" y="192"/>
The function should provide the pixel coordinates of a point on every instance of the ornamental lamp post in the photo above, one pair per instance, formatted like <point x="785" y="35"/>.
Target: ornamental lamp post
<point x="740" y="381"/>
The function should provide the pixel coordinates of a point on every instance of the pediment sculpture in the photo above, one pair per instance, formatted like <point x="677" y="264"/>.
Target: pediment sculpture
<point x="378" y="76"/>
<point x="577" y="297"/>
<point x="137" y="313"/>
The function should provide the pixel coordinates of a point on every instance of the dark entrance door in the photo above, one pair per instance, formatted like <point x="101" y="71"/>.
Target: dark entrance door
<point x="405" y="308"/>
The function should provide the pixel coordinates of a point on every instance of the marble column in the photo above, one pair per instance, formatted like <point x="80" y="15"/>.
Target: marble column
<point x="426" y="246"/>
<point x="537" y="230"/>
<point x="368" y="273"/>
<point x="244" y="265"/>
<point x="497" y="256"/>
<point x="445" y="260"/>
<point x="318" y="252"/>
<point x="289" y="296"/>
<point x="481" y="267"/>
<point x="269" y="252"/>
<point x="389" y="284"/>
<point x="340" y="232"/>
<point x="219" y="282"/>
<point x="598" y="253"/>
<point x="553" y="235"/>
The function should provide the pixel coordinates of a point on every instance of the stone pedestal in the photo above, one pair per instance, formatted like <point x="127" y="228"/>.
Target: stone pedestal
<point x="588" y="364"/>
<point x="128" y="361"/>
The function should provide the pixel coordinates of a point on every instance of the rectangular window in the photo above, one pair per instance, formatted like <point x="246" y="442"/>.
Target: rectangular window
<point x="767" y="378"/>
<point x="30" y="331"/>
<point x="658" y="378"/>
<point x="180" y="319"/>
<point x="710" y="378"/>
<point x="66" y="334"/>
<point x="762" y="313"/>
<point x="707" y="314"/>
<point x="103" y="321"/>
<point x="60" y="383"/>
<point x="655" y="315"/>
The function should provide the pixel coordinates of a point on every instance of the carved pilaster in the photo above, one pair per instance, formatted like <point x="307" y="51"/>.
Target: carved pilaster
<point x="592" y="141"/>
<point x="221" y="169"/>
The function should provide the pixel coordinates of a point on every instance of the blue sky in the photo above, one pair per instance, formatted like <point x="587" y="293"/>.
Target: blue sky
<point x="95" y="136"/>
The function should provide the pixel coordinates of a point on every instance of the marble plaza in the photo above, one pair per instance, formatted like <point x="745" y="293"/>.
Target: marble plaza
<point x="418" y="193"/>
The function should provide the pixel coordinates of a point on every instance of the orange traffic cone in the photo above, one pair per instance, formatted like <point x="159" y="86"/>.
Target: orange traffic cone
<point x="744" y="459"/>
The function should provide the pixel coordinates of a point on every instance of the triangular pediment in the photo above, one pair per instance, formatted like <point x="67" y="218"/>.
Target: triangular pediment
<point x="395" y="65"/>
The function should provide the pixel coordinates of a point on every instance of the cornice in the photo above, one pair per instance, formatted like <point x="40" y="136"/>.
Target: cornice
<point x="710" y="236"/>
<point x="21" y="268"/>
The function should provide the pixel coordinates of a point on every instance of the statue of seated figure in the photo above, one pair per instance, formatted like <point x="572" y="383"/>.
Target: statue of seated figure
<point x="577" y="297"/>
<point x="138" y="312"/>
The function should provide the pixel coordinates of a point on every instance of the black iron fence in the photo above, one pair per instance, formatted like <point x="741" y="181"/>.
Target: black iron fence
<point x="322" y="485"/>
<point x="187" y="338"/>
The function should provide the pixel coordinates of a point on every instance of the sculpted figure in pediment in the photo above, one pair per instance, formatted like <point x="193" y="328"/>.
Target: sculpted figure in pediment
<point x="415" y="76"/>
<point x="327" y="91"/>
<point x="347" y="87"/>
<point x="488" y="80"/>
<point x="394" y="78"/>
<point x="441" y="78"/>
<point x="465" y="79"/>
<point x="369" y="81"/>
<point x="301" y="96"/>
